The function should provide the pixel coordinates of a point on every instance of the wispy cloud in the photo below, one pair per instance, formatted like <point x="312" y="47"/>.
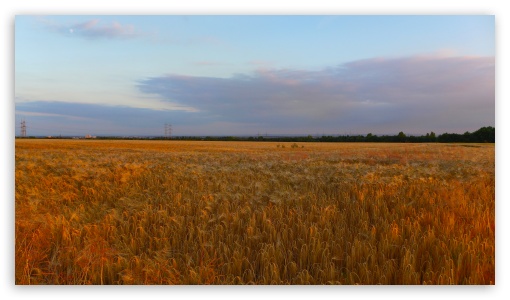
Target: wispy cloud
<point x="94" y="29"/>
<point x="52" y="117"/>
<point x="429" y="91"/>
<point x="45" y="114"/>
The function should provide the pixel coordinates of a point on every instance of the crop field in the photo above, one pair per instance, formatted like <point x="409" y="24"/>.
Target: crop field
<point x="177" y="212"/>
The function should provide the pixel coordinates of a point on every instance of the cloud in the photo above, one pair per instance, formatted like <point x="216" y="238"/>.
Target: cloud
<point x="418" y="93"/>
<point x="415" y="94"/>
<point x="94" y="29"/>
<point x="52" y="118"/>
<point x="44" y="114"/>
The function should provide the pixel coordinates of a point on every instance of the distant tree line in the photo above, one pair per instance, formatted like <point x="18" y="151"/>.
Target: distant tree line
<point x="482" y="135"/>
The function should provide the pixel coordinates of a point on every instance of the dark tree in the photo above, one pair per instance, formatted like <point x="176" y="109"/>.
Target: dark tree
<point x="401" y="137"/>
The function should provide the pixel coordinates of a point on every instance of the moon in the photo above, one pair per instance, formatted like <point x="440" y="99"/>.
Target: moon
<point x="71" y="31"/>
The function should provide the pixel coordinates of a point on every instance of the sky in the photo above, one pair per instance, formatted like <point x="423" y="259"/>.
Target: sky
<point x="253" y="74"/>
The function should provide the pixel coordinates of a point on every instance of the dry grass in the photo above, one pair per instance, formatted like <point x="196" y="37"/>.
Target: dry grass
<point x="167" y="212"/>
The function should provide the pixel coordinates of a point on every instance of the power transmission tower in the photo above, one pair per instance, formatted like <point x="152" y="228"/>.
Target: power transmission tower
<point x="168" y="130"/>
<point x="23" y="128"/>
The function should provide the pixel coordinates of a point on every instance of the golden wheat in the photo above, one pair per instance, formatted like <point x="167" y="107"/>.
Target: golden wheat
<point x="176" y="212"/>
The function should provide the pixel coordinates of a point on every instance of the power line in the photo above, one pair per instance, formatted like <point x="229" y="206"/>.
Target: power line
<point x="23" y="128"/>
<point x="168" y="130"/>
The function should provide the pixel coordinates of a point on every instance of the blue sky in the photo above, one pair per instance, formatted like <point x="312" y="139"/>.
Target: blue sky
<point x="244" y="75"/>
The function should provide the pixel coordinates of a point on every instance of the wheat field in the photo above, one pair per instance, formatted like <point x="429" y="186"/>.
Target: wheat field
<point x="182" y="212"/>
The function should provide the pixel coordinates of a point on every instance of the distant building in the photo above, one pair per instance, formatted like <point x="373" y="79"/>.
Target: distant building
<point x="88" y="136"/>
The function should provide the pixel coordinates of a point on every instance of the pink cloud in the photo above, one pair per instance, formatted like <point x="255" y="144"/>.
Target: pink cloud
<point x="94" y="29"/>
<point x="439" y="90"/>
